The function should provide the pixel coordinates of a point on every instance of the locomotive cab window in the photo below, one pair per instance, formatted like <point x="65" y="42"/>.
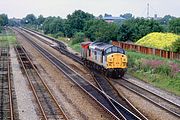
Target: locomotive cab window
<point x="108" y="51"/>
<point x="114" y="49"/>
<point x="120" y="50"/>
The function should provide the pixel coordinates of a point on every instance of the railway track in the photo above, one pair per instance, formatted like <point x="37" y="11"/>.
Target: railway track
<point x="103" y="84"/>
<point x="6" y="92"/>
<point x="108" y="88"/>
<point x="48" y="105"/>
<point x="158" y="100"/>
<point x="112" y="107"/>
<point x="154" y="98"/>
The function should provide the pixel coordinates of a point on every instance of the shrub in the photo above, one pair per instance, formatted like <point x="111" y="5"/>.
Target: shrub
<point x="0" y="29"/>
<point x="176" y="45"/>
<point x="158" y="40"/>
<point x="78" y="37"/>
<point x="59" y="34"/>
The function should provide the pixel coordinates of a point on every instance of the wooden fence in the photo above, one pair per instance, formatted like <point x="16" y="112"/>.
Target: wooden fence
<point x="147" y="50"/>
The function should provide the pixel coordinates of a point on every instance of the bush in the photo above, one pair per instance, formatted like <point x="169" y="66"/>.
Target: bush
<point x="0" y="29"/>
<point x="78" y="38"/>
<point x="176" y="45"/>
<point x="158" y="40"/>
<point x="59" y="34"/>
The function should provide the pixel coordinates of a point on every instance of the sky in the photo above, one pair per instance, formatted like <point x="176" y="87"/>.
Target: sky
<point x="20" y="8"/>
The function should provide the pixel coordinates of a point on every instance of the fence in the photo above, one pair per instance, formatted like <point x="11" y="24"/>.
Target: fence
<point x="147" y="50"/>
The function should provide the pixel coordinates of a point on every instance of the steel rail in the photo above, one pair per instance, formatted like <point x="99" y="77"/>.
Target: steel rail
<point x="170" y="110"/>
<point x="46" y="86"/>
<point x="32" y="87"/>
<point x="10" y="89"/>
<point x="105" y="85"/>
<point x="87" y="87"/>
<point x="119" y="106"/>
<point x="77" y="59"/>
<point x="124" y="86"/>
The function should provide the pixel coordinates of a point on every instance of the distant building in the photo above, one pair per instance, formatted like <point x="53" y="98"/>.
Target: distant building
<point x="111" y="19"/>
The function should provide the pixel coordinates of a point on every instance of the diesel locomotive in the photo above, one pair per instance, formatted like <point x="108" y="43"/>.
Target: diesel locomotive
<point x="109" y="59"/>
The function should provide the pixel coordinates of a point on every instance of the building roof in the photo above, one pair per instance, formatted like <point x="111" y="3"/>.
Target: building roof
<point x="113" y="18"/>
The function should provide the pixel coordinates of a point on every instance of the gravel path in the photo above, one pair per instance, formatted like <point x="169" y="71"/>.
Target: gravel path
<point x="76" y="103"/>
<point x="24" y="100"/>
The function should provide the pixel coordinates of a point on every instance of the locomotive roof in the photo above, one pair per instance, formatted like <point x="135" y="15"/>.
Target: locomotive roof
<point x="99" y="45"/>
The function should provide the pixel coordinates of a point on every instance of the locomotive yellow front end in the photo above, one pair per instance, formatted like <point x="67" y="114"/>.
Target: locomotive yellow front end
<point x="116" y="60"/>
<point x="117" y="64"/>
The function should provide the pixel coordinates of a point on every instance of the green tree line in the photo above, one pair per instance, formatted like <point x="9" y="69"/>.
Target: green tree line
<point x="80" y="23"/>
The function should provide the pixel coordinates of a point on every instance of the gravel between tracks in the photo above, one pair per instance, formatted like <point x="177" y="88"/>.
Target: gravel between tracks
<point x="25" y="105"/>
<point x="151" y="111"/>
<point x="158" y="91"/>
<point x="76" y="103"/>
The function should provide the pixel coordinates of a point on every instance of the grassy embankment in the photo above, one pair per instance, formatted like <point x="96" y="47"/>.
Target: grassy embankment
<point x="160" y="72"/>
<point x="7" y="37"/>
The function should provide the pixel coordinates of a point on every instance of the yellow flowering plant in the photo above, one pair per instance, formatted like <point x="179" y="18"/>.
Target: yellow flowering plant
<point x="159" y="40"/>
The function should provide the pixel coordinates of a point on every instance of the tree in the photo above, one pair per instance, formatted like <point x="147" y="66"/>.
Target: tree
<point x="76" y="21"/>
<point x="3" y="19"/>
<point x="176" y="46"/>
<point x="100" y="30"/>
<point x="53" y="25"/>
<point x="134" y="29"/>
<point x="165" y="20"/>
<point x="30" y="19"/>
<point x="78" y="38"/>
<point x="46" y="25"/>
<point x="40" y="20"/>
<point x="174" y="25"/>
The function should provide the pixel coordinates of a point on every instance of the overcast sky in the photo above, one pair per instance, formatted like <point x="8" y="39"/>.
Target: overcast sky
<point x="20" y="8"/>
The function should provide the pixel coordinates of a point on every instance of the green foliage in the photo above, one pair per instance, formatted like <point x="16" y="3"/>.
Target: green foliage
<point x="40" y="20"/>
<point x="0" y="29"/>
<point x="76" y="47"/>
<point x="160" y="72"/>
<point x="174" y="26"/>
<point x="78" y="38"/>
<point x="29" y="19"/>
<point x="165" y="20"/>
<point x="53" y="25"/>
<point x="59" y="34"/>
<point x="76" y="21"/>
<point x="134" y="29"/>
<point x="7" y="37"/>
<point x="3" y="19"/>
<point x="176" y="45"/>
<point x="100" y="30"/>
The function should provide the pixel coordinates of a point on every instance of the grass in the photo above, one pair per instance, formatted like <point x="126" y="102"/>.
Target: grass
<point x="160" y="72"/>
<point x="7" y="37"/>
<point x="76" y="47"/>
